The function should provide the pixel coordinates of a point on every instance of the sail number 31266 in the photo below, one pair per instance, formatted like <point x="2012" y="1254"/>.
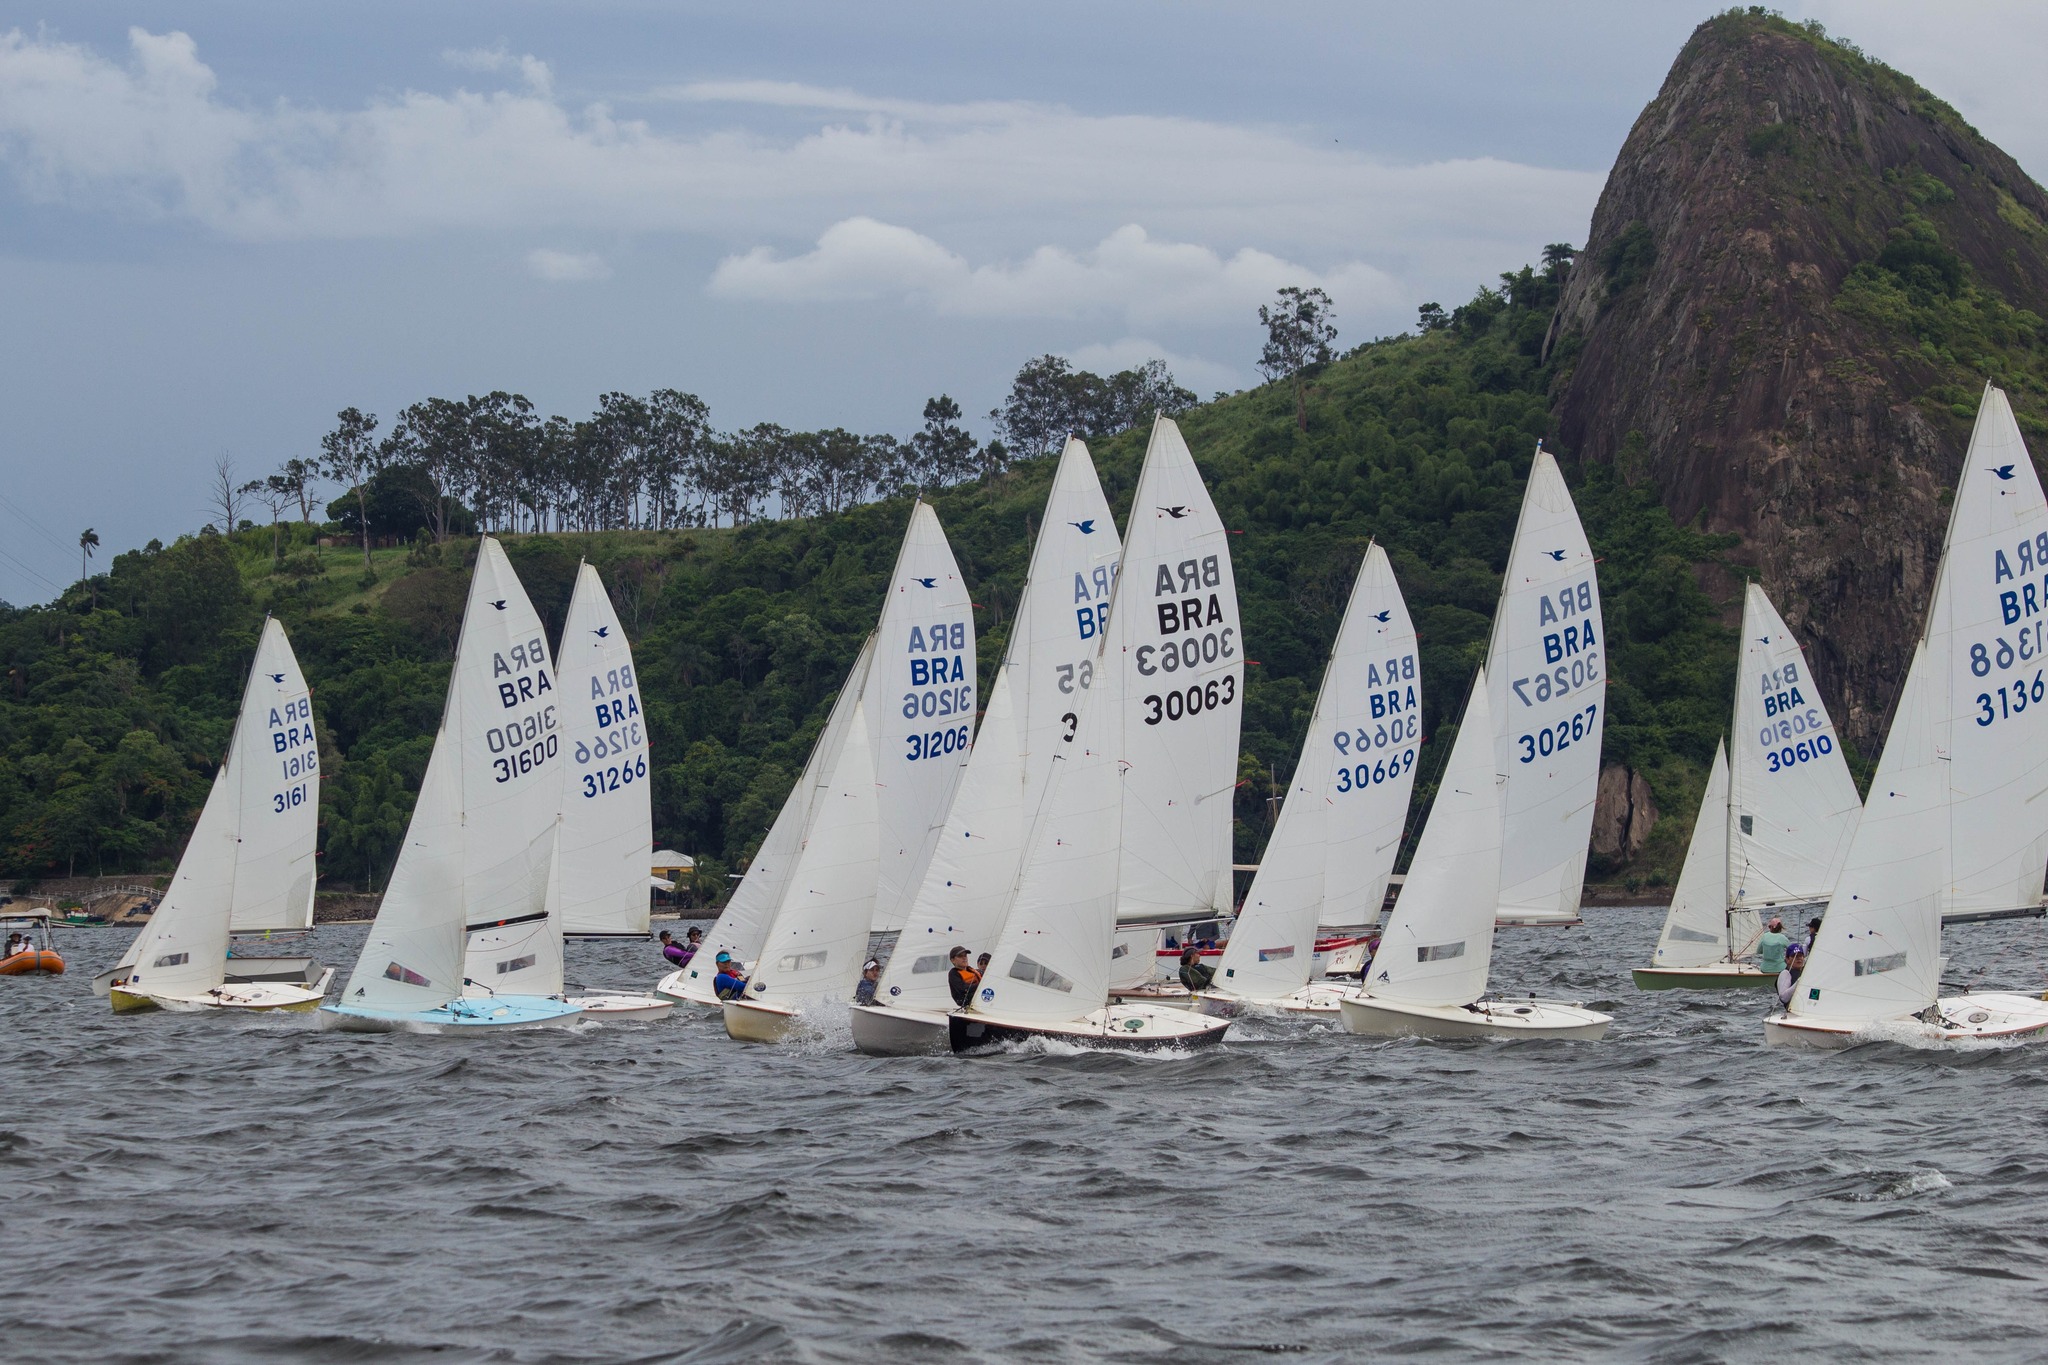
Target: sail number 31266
<point x="1553" y="739"/>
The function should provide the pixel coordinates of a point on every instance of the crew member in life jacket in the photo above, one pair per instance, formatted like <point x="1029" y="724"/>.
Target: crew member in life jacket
<point x="731" y="981"/>
<point x="1195" y="974"/>
<point x="962" y="979"/>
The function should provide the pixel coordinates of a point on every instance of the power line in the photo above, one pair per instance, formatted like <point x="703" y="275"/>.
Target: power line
<point x="41" y="529"/>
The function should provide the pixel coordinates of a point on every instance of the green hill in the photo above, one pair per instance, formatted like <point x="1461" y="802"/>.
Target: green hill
<point x="119" y="698"/>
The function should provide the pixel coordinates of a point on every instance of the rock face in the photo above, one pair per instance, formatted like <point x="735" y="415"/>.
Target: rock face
<point x="1623" y="813"/>
<point x="1707" y="344"/>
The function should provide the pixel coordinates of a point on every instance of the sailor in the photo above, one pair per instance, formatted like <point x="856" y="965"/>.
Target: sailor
<point x="962" y="979"/>
<point x="13" y="945"/>
<point x="1788" y="979"/>
<point x="1770" y="949"/>
<point x="981" y="965"/>
<point x="672" y="950"/>
<point x="731" y="981"/>
<point x="1812" y="933"/>
<point x="864" y="989"/>
<point x="1195" y="974"/>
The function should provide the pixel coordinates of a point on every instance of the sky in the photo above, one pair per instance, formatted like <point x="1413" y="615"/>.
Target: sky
<point x="220" y="223"/>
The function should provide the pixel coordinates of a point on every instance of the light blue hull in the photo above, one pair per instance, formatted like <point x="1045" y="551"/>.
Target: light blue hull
<point x="457" y="1016"/>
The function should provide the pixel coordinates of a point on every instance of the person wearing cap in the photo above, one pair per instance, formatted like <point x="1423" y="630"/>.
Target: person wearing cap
<point x="962" y="979"/>
<point x="1812" y="934"/>
<point x="1788" y="979"/>
<point x="981" y="965"/>
<point x="731" y="981"/>
<point x="864" y="989"/>
<point x="672" y="950"/>
<point x="1195" y="974"/>
<point x="1770" y="949"/>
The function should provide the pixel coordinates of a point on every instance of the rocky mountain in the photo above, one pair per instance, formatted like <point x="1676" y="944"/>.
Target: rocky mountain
<point x="1802" y="271"/>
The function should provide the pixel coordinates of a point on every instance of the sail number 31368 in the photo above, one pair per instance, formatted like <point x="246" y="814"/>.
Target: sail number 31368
<point x="2011" y="699"/>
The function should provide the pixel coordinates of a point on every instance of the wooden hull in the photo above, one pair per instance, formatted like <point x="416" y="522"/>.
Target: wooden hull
<point x="1718" y="976"/>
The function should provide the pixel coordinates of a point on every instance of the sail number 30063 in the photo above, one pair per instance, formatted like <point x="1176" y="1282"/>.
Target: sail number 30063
<point x="1554" y="739"/>
<point x="1192" y="700"/>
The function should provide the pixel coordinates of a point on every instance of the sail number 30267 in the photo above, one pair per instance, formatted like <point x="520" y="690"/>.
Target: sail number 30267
<point x="1553" y="739"/>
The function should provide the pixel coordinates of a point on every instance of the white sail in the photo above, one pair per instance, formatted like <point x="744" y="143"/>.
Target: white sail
<point x="1696" y="926"/>
<point x="1437" y="947"/>
<point x="607" y="818"/>
<point x="818" y="936"/>
<point x="920" y="709"/>
<point x="479" y="842"/>
<point x="249" y="864"/>
<point x="1547" y="666"/>
<point x="1986" y="630"/>
<point x="1175" y="733"/>
<point x="743" y="927"/>
<point x="1033" y="708"/>
<point x="1333" y="848"/>
<point x="1878" y="955"/>
<point x="1792" y="802"/>
<point x="523" y="954"/>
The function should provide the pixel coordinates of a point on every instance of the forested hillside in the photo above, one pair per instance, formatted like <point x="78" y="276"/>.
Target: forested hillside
<point x="120" y="696"/>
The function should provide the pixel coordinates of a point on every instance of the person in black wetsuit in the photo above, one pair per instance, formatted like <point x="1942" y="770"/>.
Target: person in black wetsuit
<point x="961" y="979"/>
<point x="1195" y="974"/>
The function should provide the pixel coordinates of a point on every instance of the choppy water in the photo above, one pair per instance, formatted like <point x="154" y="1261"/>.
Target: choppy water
<point x="192" y="1188"/>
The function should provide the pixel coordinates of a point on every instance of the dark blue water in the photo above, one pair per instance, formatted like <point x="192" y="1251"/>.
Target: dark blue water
<point x="181" y="1188"/>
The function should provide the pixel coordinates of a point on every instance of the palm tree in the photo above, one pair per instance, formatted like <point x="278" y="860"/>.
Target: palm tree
<point x="88" y="541"/>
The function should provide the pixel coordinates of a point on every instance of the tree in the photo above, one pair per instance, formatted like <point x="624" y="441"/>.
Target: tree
<point x="276" y="494"/>
<point x="678" y="427"/>
<point x="88" y="541"/>
<point x="1431" y="318"/>
<point x="299" y="477"/>
<point x="1050" y="401"/>
<point x="226" y="493"/>
<point x="1299" y="330"/>
<point x="349" y="456"/>
<point x="1557" y="259"/>
<point x="942" y="453"/>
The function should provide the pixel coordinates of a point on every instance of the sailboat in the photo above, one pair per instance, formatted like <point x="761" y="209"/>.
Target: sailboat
<point x="607" y="818"/>
<point x="1333" y="847"/>
<point x="1435" y="955"/>
<point x="1775" y="823"/>
<point x="1546" y="665"/>
<point x="1032" y="713"/>
<point x="469" y="932"/>
<point x="743" y="926"/>
<point x="880" y="813"/>
<point x="250" y="854"/>
<point x="1135" y="823"/>
<point x="1969" y="744"/>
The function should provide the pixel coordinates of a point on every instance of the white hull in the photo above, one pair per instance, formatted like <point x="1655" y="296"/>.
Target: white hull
<point x="1485" y="1019"/>
<point x="1992" y="1017"/>
<point x="1525" y="920"/>
<point x="1317" y="999"/>
<point x="1129" y="1028"/>
<point x="623" y="1007"/>
<point x="673" y="987"/>
<point x="258" y="995"/>
<point x="755" y="1021"/>
<point x="1167" y="994"/>
<point x="881" y="1031"/>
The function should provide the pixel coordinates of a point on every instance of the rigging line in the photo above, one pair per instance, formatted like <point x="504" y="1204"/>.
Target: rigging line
<point x="59" y="587"/>
<point x="41" y="529"/>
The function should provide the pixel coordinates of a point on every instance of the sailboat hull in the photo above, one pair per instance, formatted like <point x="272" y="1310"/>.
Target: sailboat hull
<point x="1990" y="1017"/>
<point x="623" y="1008"/>
<point x="457" y="1016"/>
<point x="882" y="1031"/>
<point x="1314" y="999"/>
<point x="302" y="971"/>
<point x="1375" y="1018"/>
<point x="231" y="997"/>
<point x="1165" y="994"/>
<point x="1122" y="1028"/>
<point x="1715" y="976"/>
<point x="756" y="1021"/>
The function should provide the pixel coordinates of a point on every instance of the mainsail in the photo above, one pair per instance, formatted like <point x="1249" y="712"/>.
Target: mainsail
<point x="607" y="818"/>
<point x="1696" y="926"/>
<point x="1333" y="847"/>
<point x="1033" y="709"/>
<point x="482" y="834"/>
<point x="249" y="862"/>
<point x="1547" y="668"/>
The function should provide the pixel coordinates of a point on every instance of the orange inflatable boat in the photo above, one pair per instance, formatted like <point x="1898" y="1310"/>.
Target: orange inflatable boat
<point x="31" y="959"/>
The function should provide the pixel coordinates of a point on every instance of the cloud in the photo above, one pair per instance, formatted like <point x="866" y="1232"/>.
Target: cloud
<point x="566" y="267"/>
<point x="1129" y="274"/>
<point x="1190" y="372"/>
<point x="154" y="133"/>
